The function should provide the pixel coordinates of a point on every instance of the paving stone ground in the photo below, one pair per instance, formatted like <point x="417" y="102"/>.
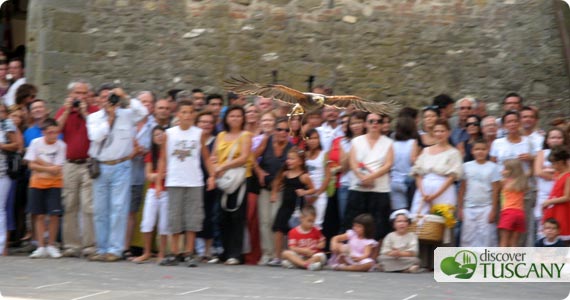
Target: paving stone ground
<point x="75" y="279"/>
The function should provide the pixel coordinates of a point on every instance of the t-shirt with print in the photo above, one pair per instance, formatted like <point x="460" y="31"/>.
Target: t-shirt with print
<point x="53" y="154"/>
<point x="297" y="237"/>
<point x="479" y="180"/>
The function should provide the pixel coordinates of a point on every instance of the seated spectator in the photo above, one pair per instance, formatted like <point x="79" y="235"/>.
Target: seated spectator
<point x="305" y="243"/>
<point x="550" y="230"/>
<point x="355" y="254"/>
<point x="400" y="248"/>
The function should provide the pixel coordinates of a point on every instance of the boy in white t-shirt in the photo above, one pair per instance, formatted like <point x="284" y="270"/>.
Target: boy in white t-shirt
<point x="180" y="155"/>
<point x="45" y="157"/>
<point x="478" y="200"/>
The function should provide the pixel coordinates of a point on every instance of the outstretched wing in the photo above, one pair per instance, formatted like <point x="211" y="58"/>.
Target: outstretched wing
<point x="275" y="91"/>
<point x="380" y="107"/>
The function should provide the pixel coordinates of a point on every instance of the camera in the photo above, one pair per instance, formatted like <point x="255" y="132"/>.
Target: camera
<point x="114" y="99"/>
<point x="76" y="102"/>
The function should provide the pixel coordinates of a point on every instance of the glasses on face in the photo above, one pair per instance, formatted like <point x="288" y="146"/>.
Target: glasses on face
<point x="430" y="107"/>
<point x="282" y="129"/>
<point x="512" y="103"/>
<point x="375" y="121"/>
<point x="472" y="124"/>
<point x="465" y="108"/>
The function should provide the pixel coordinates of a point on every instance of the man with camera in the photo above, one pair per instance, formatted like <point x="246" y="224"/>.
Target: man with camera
<point x="77" y="186"/>
<point x="111" y="131"/>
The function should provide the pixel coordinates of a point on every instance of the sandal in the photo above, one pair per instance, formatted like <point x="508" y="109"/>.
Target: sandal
<point x="169" y="261"/>
<point x="127" y="255"/>
<point x="140" y="260"/>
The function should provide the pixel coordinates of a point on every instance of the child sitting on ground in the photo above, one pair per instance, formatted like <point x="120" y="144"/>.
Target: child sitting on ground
<point x="305" y="243"/>
<point x="550" y="230"/>
<point x="400" y="247"/>
<point x="355" y="255"/>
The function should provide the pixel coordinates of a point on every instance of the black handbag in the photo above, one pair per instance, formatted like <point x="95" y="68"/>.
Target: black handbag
<point x="15" y="164"/>
<point x="93" y="168"/>
<point x="93" y="165"/>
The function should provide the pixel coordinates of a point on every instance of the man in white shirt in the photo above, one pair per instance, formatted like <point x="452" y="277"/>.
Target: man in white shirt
<point x="16" y="71"/>
<point x="529" y="122"/>
<point x="329" y="130"/>
<point x="111" y="132"/>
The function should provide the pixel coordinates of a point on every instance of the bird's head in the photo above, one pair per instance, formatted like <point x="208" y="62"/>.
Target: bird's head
<point x="319" y="99"/>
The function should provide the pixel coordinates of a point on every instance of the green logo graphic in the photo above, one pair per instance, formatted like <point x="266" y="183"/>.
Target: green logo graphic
<point x="462" y="265"/>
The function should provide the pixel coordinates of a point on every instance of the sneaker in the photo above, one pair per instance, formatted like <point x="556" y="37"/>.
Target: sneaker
<point x="191" y="261"/>
<point x="86" y="252"/>
<point x="53" y="252"/>
<point x="109" y="257"/>
<point x="41" y="252"/>
<point x="214" y="260"/>
<point x="264" y="260"/>
<point x="232" y="262"/>
<point x="316" y="266"/>
<point x="70" y="252"/>
<point x="275" y="262"/>
<point x="287" y="264"/>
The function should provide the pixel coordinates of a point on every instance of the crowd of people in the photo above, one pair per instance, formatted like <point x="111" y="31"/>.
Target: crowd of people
<point x="245" y="183"/>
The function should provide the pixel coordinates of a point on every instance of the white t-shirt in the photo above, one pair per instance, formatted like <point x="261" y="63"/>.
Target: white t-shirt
<point x="53" y="154"/>
<point x="503" y="150"/>
<point x="373" y="158"/>
<point x="183" y="152"/>
<point x="479" y="179"/>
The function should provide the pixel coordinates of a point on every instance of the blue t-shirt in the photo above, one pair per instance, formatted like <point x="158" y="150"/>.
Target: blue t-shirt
<point x="35" y="132"/>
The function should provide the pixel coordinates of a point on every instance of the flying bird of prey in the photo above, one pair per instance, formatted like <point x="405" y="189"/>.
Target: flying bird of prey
<point x="306" y="102"/>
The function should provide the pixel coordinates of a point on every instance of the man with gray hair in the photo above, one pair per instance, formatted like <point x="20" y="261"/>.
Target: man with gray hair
<point x="77" y="185"/>
<point x="142" y="144"/>
<point x="264" y="104"/>
<point x="465" y="107"/>
<point x="489" y="128"/>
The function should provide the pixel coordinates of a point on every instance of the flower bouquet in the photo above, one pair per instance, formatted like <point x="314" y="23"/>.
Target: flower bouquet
<point x="445" y="211"/>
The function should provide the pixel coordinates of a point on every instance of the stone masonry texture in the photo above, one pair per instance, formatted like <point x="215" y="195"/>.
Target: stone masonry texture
<point x="407" y="50"/>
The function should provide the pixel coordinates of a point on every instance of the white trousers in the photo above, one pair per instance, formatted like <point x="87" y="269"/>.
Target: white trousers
<point x="476" y="230"/>
<point x="155" y="208"/>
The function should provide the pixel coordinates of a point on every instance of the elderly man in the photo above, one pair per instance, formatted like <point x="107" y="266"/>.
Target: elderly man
<point x="465" y="107"/>
<point x="111" y="132"/>
<point x="264" y="104"/>
<point x="141" y="148"/>
<point x="489" y="128"/>
<point x="77" y="185"/>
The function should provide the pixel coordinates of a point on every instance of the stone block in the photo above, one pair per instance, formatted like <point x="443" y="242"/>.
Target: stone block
<point x="278" y="2"/>
<point x="67" y="21"/>
<point x="67" y="42"/>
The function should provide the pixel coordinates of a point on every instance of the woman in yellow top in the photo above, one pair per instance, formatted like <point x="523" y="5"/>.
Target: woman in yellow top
<point x="232" y="221"/>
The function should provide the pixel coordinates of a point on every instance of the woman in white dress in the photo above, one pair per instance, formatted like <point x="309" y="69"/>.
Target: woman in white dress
<point x="435" y="170"/>
<point x="544" y="173"/>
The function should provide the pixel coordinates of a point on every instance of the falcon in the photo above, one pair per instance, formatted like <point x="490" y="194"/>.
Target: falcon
<point x="306" y="102"/>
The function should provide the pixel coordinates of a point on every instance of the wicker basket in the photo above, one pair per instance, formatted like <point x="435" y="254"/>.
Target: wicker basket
<point x="429" y="228"/>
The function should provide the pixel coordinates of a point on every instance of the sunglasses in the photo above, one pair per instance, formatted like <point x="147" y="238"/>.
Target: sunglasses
<point x="472" y="124"/>
<point x="375" y="121"/>
<point x="430" y="107"/>
<point x="282" y="129"/>
<point x="465" y="108"/>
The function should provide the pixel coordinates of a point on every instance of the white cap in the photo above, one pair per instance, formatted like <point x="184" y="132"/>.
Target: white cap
<point x="395" y="213"/>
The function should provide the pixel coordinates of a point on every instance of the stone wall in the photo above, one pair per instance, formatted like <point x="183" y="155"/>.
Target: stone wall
<point x="408" y="50"/>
